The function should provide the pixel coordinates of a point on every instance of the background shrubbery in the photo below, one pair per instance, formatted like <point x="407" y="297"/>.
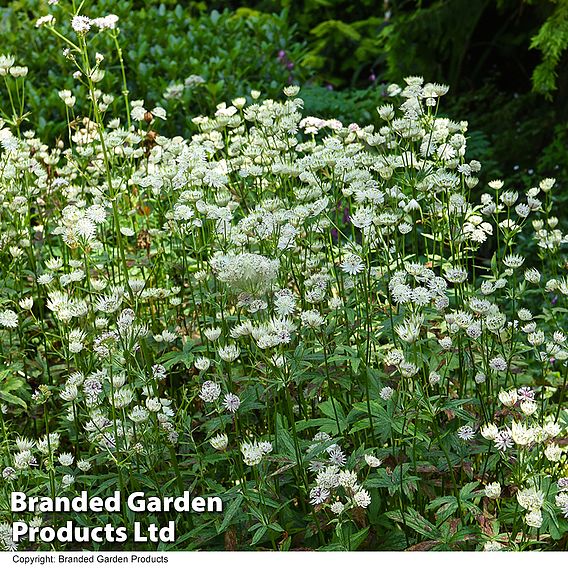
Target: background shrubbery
<point x="499" y="57"/>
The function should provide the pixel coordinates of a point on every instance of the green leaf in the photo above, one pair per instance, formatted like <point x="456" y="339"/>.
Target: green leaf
<point x="231" y="512"/>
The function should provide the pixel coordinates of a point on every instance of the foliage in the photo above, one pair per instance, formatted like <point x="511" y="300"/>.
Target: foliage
<point x="552" y="41"/>
<point x="202" y="60"/>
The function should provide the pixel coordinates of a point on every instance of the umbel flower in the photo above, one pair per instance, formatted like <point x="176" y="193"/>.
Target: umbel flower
<point x="246" y="272"/>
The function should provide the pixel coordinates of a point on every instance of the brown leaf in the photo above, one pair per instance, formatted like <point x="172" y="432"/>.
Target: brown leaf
<point x="424" y="545"/>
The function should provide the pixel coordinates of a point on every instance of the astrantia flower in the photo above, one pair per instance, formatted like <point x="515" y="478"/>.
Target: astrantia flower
<point x="252" y="453"/>
<point x="352" y="265"/>
<point x="202" y="363"/>
<point x="337" y="456"/>
<point x="553" y="452"/>
<point x="372" y="461"/>
<point x="503" y="440"/>
<point x="67" y="480"/>
<point x="477" y="229"/>
<point x="528" y="407"/>
<point x="456" y="275"/>
<point x="513" y="261"/>
<point x="229" y="353"/>
<point x="9" y="319"/>
<point x="318" y="495"/>
<point x="252" y="273"/>
<point x="210" y="391"/>
<point x="386" y="393"/>
<point x="530" y="498"/>
<point x="562" y="503"/>
<point x="532" y="275"/>
<point x="337" y="508"/>
<point x="9" y="473"/>
<point x="84" y="465"/>
<point x="480" y="378"/>
<point x="526" y="394"/>
<point x="139" y="414"/>
<point x="285" y="302"/>
<point x="508" y="398"/>
<point x="362" y="498"/>
<point x="219" y="442"/>
<point x="498" y="364"/>
<point x="493" y="490"/>
<point x="521" y="434"/>
<point x="212" y="333"/>
<point x="328" y="477"/>
<point x="312" y="319"/>
<point x="65" y="459"/>
<point x="231" y="402"/>
<point x="434" y="378"/>
<point x="551" y="428"/>
<point x="347" y="479"/>
<point x="492" y="546"/>
<point x="489" y="431"/>
<point x="534" y="518"/>
<point x="466" y="433"/>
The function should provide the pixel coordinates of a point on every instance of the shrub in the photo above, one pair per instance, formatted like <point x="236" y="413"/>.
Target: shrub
<point x="201" y="61"/>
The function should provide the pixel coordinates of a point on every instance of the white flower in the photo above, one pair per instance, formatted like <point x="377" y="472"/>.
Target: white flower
<point x="534" y="518"/>
<point x="252" y="453"/>
<point x="67" y="480"/>
<point x="466" y="433"/>
<point x="372" y="461"/>
<point x="212" y="333"/>
<point x="352" y="265"/>
<point x="498" y="364"/>
<point x="84" y="465"/>
<point x="210" y="391"/>
<point x="9" y="319"/>
<point x="81" y="24"/>
<point x="508" y="398"/>
<point x="513" y="261"/>
<point x="219" y="442"/>
<point x="386" y="393"/>
<point x="489" y="431"/>
<point x="202" y="363"/>
<point x="231" y="402"/>
<point x="106" y="23"/>
<point x="531" y="498"/>
<point x="493" y="490"/>
<point x="553" y="452"/>
<point x="503" y="440"/>
<point x="312" y="318"/>
<point x="521" y="435"/>
<point x="528" y="407"/>
<point x="65" y="459"/>
<point x="362" y="498"/>
<point x="229" y="353"/>
<point x="492" y="546"/>
<point x="246" y="272"/>
<point x="337" y="508"/>
<point x="318" y="495"/>
<point x="47" y="20"/>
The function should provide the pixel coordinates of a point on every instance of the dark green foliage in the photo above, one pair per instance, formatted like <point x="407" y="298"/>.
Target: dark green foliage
<point x="162" y="45"/>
